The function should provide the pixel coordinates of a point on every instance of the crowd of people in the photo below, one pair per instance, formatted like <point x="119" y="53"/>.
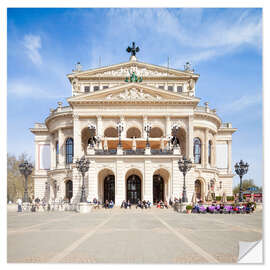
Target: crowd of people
<point x="161" y="204"/>
<point x="242" y="208"/>
<point x="199" y="207"/>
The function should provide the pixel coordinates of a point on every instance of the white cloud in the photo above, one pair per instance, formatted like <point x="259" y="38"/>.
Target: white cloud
<point x="26" y="89"/>
<point x="241" y="104"/>
<point x="32" y="45"/>
<point x="198" y="34"/>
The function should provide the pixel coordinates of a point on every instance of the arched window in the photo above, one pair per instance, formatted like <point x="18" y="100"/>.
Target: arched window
<point x="197" y="150"/>
<point x="57" y="153"/>
<point x="69" y="150"/>
<point x="111" y="132"/>
<point x="209" y="151"/>
<point x="133" y="132"/>
<point x="156" y="132"/>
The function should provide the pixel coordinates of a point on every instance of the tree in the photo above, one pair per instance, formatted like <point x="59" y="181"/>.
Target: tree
<point x="245" y="185"/>
<point x="15" y="181"/>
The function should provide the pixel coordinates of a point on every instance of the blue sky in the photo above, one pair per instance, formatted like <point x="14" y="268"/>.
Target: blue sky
<point x="224" y="46"/>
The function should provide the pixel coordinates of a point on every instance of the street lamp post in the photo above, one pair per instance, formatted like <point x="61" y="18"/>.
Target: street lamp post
<point x="147" y="129"/>
<point x="82" y="166"/>
<point x="184" y="166"/>
<point x="26" y="169"/>
<point x="120" y="128"/>
<point x="241" y="169"/>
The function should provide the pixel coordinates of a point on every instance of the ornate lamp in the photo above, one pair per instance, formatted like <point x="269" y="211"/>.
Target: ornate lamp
<point x="184" y="166"/>
<point x="82" y="166"/>
<point x="92" y="130"/>
<point x="26" y="169"/>
<point x="175" y="129"/>
<point x="241" y="169"/>
<point x="147" y="129"/>
<point x="120" y="128"/>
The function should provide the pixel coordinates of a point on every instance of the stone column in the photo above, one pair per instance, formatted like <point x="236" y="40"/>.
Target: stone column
<point x="92" y="181"/>
<point x="145" y="119"/>
<point x="190" y="138"/>
<point x="177" y="180"/>
<point x="77" y="138"/>
<point x="53" y="152"/>
<point x="213" y="160"/>
<point x="175" y="88"/>
<point x="229" y="156"/>
<point x="77" y="185"/>
<point x="99" y="126"/>
<point x="120" y="183"/>
<point x="203" y="150"/>
<point x="168" y="126"/>
<point x="206" y="148"/>
<point x="148" y="181"/>
<point x="124" y="132"/>
<point x="61" y="142"/>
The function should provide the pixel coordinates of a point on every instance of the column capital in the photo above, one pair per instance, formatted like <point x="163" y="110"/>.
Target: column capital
<point x="75" y="116"/>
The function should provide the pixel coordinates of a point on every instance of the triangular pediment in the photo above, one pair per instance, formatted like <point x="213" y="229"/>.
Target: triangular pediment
<point x="127" y="68"/>
<point x="134" y="93"/>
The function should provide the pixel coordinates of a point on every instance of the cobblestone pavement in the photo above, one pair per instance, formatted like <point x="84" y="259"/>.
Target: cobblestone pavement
<point x="129" y="236"/>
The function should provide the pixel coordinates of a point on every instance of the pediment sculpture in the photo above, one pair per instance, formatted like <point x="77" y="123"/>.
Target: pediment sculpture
<point x="133" y="94"/>
<point x="144" y="72"/>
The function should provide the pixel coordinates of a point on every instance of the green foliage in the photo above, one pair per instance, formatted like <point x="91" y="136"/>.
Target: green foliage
<point x="230" y="198"/>
<point x="189" y="207"/>
<point x="218" y="198"/>
<point x="245" y="185"/>
<point x="15" y="181"/>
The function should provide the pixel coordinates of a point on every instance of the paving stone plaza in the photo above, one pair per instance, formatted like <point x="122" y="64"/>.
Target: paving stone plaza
<point x="129" y="236"/>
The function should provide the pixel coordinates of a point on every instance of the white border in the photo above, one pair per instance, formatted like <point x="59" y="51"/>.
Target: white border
<point x="135" y="3"/>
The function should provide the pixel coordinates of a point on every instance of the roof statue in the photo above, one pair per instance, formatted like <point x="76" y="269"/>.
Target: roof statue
<point x="133" y="50"/>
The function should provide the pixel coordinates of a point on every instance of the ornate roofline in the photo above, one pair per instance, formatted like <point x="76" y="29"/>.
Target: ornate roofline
<point x="85" y="74"/>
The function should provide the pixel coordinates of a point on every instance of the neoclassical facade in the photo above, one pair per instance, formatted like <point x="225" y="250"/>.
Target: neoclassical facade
<point x="133" y="94"/>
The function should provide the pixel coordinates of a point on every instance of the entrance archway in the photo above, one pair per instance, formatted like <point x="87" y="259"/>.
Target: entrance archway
<point x="69" y="190"/>
<point x="158" y="188"/>
<point x="133" y="188"/>
<point x="109" y="188"/>
<point x="198" y="189"/>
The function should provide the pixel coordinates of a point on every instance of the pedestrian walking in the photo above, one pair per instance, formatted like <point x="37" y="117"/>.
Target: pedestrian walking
<point x="19" y="202"/>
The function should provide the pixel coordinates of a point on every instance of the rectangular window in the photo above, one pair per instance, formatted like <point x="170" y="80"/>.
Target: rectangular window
<point x="179" y="89"/>
<point x="86" y="89"/>
<point x="96" y="88"/>
<point x="105" y="86"/>
<point x="170" y="88"/>
<point x="161" y="87"/>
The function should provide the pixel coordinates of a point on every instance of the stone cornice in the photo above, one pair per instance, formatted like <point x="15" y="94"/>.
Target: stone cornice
<point x="133" y="93"/>
<point x="227" y="130"/>
<point x="208" y="116"/>
<point x="58" y="115"/>
<point x="123" y="102"/>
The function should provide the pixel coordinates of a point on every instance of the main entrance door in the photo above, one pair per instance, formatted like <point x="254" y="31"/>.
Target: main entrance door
<point x="158" y="188"/>
<point x="69" y="190"/>
<point x="109" y="188"/>
<point x="133" y="188"/>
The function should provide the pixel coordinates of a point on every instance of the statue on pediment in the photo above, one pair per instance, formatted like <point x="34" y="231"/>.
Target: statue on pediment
<point x="133" y="94"/>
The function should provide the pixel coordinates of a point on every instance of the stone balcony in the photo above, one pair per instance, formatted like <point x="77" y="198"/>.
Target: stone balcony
<point x="133" y="152"/>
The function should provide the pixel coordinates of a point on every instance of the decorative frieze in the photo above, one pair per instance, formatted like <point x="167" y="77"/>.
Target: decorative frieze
<point x="133" y="94"/>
